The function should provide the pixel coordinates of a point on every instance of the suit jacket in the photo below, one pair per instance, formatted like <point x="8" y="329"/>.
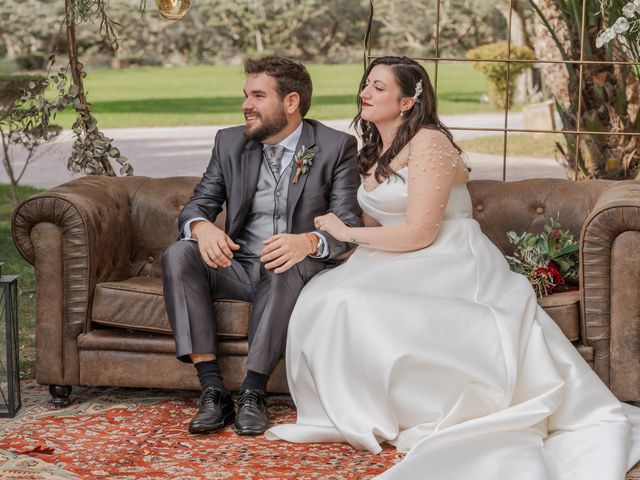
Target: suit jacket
<point x="330" y="184"/>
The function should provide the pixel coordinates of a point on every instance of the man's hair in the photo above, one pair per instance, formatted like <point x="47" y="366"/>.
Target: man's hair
<point x="290" y="77"/>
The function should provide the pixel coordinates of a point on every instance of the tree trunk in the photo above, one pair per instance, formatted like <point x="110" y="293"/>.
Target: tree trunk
<point x="554" y="77"/>
<point x="76" y="74"/>
<point x="519" y="38"/>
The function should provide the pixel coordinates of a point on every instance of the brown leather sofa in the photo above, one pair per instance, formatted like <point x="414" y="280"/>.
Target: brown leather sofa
<point x="96" y="245"/>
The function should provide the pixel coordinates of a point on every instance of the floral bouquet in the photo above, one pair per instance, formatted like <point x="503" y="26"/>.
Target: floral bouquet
<point x="549" y="260"/>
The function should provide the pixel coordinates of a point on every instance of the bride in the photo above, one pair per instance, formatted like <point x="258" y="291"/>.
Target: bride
<point x="425" y="339"/>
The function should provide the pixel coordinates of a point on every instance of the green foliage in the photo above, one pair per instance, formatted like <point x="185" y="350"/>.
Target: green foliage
<point x="501" y="75"/>
<point x="25" y="116"/>
<point x="27" y="29"/>
<point x="409" y="27"/>
<point x="549" y="260"/>
<point x="220" y="30"/>
<point x="6" y="67"/>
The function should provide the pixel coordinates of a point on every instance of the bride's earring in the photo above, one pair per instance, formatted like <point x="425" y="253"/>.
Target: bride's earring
<point x="401" y="113"/>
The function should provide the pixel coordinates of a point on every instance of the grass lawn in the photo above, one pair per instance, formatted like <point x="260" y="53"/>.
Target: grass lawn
<point x="209" y="95"/>
<point x="518" y="145"/>
<point x="16" y="265"/>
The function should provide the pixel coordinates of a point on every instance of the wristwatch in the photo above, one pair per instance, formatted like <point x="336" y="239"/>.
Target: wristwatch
<point x="320" y="247"/>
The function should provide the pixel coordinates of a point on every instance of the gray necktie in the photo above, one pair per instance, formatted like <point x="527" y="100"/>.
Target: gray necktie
<point x="273" y="154"/>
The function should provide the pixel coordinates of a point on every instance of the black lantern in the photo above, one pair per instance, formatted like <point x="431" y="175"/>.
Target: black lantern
<point x="9" y="367"/>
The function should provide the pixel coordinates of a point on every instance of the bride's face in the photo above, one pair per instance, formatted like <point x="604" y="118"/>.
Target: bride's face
<point x="380" y="96"/>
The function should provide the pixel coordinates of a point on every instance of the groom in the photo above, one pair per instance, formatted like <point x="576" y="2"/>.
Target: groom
<point x="275" y="175"/>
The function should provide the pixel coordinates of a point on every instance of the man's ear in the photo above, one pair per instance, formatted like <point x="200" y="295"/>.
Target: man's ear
<point x="291" y="102"/>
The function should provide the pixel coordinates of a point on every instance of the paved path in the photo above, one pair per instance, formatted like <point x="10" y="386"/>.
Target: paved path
<point x="171" y="151"/>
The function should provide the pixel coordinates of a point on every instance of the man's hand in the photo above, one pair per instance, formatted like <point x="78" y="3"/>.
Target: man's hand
<point x="215" y="246"/>
<point x="283" y="251"/>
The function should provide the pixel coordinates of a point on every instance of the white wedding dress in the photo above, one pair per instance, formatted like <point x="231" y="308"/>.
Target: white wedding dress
<point x="445" y="353"/>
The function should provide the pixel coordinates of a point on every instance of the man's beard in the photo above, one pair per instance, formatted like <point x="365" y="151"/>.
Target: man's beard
<point x="268" y="127"/>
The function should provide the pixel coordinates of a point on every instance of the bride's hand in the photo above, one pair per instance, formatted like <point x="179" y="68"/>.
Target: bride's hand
<point x="331" y="224"/>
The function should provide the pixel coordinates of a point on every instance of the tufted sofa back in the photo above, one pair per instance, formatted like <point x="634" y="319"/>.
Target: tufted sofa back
<point x="498" y="206"/>
<point x="142" y="213"/>
<point x="155" y="206"/>
<point x="528" y="205"/>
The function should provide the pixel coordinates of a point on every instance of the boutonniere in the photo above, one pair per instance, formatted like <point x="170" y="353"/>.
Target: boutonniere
<point x="303" y="161"/>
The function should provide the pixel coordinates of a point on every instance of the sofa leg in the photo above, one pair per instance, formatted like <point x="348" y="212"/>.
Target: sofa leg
<point x="60" y="395"/>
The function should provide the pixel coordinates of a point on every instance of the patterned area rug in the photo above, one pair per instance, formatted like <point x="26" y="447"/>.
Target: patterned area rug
<point x="113" y="433"/>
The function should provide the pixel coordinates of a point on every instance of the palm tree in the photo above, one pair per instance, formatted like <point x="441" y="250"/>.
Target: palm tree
<point x="605" y="95"/>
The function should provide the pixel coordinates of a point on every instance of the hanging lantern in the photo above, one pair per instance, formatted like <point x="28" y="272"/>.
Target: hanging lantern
<point x="9" y="366"/>
<point x="173" y="9"/>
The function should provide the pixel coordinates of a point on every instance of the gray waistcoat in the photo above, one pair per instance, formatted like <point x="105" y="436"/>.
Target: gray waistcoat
<point x="268" y="213"/>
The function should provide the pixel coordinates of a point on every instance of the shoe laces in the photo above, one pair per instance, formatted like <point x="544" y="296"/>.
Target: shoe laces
<point x="210" y="396"/>
<point x="250" y="397"/>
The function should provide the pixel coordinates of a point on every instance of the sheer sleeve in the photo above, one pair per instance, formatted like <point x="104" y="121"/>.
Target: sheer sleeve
<point x="433" y="165"/>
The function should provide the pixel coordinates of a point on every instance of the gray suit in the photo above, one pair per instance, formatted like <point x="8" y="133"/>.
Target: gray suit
<point x="232" y="176"/>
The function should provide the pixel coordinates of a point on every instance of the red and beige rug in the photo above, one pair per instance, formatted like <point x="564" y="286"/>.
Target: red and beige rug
<point x="111" y="433"/>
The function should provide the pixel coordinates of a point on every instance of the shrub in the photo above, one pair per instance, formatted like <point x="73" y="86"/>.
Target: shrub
<point x="496" y="72"/>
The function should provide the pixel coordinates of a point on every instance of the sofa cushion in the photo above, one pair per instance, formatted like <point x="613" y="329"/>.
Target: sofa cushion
<point x="564" y="308"/>
<point x="137" y="304"/>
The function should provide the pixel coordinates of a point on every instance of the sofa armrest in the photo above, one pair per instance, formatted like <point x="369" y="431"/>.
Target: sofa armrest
<point x="76" y="235"/>
<point x="609" y="276"/>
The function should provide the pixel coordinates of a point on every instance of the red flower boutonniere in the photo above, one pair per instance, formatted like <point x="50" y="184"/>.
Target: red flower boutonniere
<point x="303" y="161"/>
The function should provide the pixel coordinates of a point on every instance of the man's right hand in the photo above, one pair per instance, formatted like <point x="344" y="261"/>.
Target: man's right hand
<point x="215" y="246"/>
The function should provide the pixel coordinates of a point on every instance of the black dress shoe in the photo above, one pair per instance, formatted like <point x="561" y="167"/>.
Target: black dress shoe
<point x="215" y="410"/>
<point x="252" y="414"/>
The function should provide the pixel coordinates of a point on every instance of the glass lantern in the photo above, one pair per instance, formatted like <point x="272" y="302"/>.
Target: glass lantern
<point x="9" y="366"/>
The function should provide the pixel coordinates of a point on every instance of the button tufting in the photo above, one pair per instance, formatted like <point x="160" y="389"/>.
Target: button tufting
<point x="539" y="210"/>
<point x="150" y="259"/>
<point x="480" y="208"/>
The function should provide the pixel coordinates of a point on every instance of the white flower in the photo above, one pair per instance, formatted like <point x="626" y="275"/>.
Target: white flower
<point x="621" y="25"/>
<point x="600" y="41"/>
<point x="636" y="3"/>
<point x="629" y="10"/>
<point x="609" y="35"/>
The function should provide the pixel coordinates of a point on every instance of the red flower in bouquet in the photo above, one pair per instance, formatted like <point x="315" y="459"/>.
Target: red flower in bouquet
<point x="549" y="259"/>
<point x="552" y="273"/>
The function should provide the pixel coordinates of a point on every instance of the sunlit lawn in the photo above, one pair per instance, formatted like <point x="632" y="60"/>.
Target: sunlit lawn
<point x="209" y="95"/>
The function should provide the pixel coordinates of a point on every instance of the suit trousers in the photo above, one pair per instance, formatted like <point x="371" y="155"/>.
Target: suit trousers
<point x="191" y="288"/>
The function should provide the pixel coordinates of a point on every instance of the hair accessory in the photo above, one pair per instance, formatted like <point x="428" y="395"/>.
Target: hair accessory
<point x="416" y="96"/>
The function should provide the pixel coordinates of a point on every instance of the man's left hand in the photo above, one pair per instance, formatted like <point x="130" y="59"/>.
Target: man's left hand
<point x="284" y="250"/>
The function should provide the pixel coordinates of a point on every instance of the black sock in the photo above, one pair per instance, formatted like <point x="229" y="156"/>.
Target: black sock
<point x="255" y="381"/>
<point x="209" y="375"/>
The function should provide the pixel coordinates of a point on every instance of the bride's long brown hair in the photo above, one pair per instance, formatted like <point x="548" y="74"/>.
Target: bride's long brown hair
<point x="423" y="114"/>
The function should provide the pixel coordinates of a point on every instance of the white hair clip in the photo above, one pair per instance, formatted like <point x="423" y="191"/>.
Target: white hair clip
<point x="416" y="96"/>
